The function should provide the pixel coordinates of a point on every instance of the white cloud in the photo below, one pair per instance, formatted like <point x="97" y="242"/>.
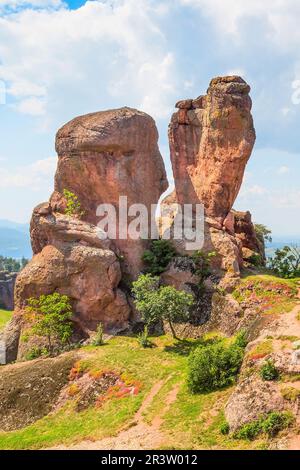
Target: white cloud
<point x="59" y="59"/>
<point x="255" y="190"/>
<point x="281" y="17"/>
<point x="283" y="170"/>
<point x="34" y="177"/>
<point x="15" y="4"/>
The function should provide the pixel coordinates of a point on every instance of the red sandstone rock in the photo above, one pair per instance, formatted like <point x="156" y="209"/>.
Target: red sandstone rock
<point x="211" y="144"/>
<point x="245" y="232"/>
<point x="106" y="155"/>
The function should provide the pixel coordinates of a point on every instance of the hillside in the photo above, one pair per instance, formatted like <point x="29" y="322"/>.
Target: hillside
<point x="150" y="405"/>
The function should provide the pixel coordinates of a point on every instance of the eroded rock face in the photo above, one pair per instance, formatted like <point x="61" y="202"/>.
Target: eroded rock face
<point x="28" y="391"/>
<point x="109" y="154"/>
<point x="211" y="139"/>
<point x="89" y="276"/>
<point x="245" y="232"/>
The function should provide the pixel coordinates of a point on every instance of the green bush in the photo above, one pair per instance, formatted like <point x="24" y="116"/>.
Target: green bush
<point x="35" y="352"/>
<point x="158" y="257"/>
<point x="214" y="366"/>
<point x="270" y="424"/>
<point x="276" y="421"/>
<point x="73" y="207"/>
<point x="268" y="371"/>
<point x="98" y="339"/>
<point x="248" y="431"/>
<point x="224" y="428"/>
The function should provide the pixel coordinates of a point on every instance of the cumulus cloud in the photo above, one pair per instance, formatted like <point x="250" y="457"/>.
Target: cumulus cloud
<point x="281" y="17"/>
<point x="33" y="177"/>
<point x="283" y="170"/>
<point x="79" y="59"/>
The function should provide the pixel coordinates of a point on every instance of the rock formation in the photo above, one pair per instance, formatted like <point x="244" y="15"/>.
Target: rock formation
<point x="109" y="154"/>
<point x="252" y="244"/>
<point x="211" y="139"/>
<point x="7" y="283"/>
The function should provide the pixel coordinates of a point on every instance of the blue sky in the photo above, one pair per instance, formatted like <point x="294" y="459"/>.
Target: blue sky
<point x="61" y="59"/>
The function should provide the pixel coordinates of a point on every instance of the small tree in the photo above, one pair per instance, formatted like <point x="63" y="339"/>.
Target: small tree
<point x="73" y="204"/>
<point x="156" y="302"/>
<point x="50" y="316"/>
<point x="263" y="233"/>
<point x="158" y="257"/>
<point x="202" y="265"/>
<point x="286" y="262"/>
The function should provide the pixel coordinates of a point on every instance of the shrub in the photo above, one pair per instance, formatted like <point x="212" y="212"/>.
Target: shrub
<point x="50" y="316"/>
<point x="73" y="207"/>
<point x="143" y="338"/>
<point x="268" y="371"/>
<point x="35" y="352"/>
<point x="270" y="424"/>
<point x="248" y="431"/>
<point x="99" y="340"/>
<point x="224" y="428"/>
<point x="156" y="302"/>
<point x="276" y="421"/>
<point x="214" y="366"/>
<point x="241" y="339"/>
<point x="158" y="257"/>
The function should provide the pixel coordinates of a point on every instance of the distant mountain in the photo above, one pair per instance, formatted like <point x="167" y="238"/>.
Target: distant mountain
<point x="280" y="242"/>
<point x="14" y="239"/>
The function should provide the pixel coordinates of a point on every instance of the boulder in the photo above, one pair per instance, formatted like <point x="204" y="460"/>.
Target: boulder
<point x="89" y="276"/>
<point x="244" y="230"/>
<point x="105" y="155"/>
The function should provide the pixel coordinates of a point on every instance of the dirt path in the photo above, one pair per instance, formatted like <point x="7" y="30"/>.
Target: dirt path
<point x="138" y="435"/>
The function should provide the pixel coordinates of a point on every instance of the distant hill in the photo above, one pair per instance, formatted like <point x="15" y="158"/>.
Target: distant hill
<point x="14" y="239"/>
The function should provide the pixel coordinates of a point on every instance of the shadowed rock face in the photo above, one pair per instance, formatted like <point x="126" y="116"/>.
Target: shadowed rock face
<point x="7" y="283"/>
<point x="106" y="155"/>
<point x="211" y="139"/>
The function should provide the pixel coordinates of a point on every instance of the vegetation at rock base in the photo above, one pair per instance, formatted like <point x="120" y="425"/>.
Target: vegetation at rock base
<point x="158" y="257"/>
<point x="271" y="424"/>
<point x="50" y="317"/>
<point x="12" y="265"/>
<point x="215" y="366"/>
<point x="286" y="262"/>
<point x="156" y="303"/>
<point x="73" y="205"/>
<point x="268" y="371"/>
<point x="290" y="393"/>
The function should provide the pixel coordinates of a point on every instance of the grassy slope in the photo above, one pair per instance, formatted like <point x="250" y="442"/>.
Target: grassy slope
<point x="5" y="316"/>
<point x="189" y="423"/>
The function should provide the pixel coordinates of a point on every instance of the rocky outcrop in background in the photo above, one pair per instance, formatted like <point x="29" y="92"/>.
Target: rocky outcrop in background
<point x="7" y="283"/>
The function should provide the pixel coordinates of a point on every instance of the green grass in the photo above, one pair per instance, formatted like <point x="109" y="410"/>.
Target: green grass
<point x="5" y="316"/>
<point x="188" y="423"/>
<point x="271" y="294"/>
